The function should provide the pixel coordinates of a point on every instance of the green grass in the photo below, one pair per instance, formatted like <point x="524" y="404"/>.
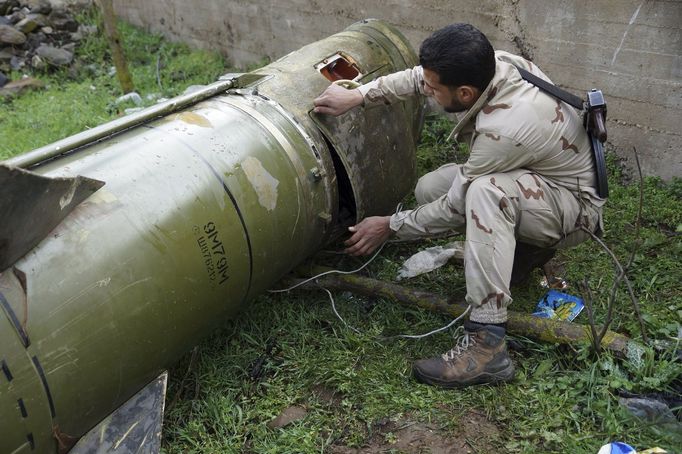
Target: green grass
<point x="563" y="400"/>
<point x="290" y="349"/>
<point x="83" y="96"/>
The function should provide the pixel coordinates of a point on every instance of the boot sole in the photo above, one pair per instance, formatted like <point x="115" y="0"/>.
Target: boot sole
<point x="504" y="375"/>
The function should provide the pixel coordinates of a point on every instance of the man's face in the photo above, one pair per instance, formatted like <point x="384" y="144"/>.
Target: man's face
<point x="444" y="95"/>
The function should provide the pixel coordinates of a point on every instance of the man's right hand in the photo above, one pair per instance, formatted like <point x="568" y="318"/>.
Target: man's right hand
<point x="336" y="100"/>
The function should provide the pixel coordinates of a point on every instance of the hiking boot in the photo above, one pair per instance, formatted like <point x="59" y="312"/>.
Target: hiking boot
<point x="479" y="356"/>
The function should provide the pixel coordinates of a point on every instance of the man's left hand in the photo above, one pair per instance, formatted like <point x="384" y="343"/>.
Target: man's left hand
<point x="368" y="235"/>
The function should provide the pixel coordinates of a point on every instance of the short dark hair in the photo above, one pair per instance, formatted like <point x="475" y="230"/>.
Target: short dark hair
<point x="460" y="54"/>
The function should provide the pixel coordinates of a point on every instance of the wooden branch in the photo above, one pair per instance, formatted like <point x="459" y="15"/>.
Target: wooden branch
<point x="541" y="329"/>
<point x="109" y="19"/>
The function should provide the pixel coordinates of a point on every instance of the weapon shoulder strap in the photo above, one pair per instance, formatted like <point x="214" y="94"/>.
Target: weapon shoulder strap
<point x="552" y="89"/>
<point x="570" y="99"/>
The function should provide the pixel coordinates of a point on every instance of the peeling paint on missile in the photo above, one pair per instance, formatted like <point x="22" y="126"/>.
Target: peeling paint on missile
<point x="263" y="183"/>
<point x="192" y="118"/>
<point x="102" y="196"/>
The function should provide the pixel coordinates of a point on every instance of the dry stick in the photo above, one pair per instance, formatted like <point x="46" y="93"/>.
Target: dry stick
<point x="589" y="299"/>
<point x="620" y="271"/>
<point x="638" y="223"/>
<point x="547" y="330"/>
<point x="109" y="19"/>
<point x="621" y="276"/>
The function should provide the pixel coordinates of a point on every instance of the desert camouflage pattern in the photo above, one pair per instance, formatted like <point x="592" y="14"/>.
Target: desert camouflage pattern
<point x="530" y="177"/>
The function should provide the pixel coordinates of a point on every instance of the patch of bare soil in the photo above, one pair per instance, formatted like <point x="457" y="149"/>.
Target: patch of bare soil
<point x="474" y="434"/>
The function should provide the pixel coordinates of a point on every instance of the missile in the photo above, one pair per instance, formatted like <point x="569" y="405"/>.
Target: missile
<point x="123" y="246"/>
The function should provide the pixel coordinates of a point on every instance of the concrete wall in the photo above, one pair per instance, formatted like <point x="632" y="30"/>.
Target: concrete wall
<point x="631" y="49"/>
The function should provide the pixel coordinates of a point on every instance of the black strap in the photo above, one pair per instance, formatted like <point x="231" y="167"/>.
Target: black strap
<point x="553" y="90"/>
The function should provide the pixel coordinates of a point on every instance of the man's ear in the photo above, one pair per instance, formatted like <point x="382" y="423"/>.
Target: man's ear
<point x="467" y="94"/>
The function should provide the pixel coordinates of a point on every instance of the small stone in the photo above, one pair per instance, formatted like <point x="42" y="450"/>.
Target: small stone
<point x="132" y="96"/>
<point x="16" y="17"/>
<point x="26" y="25"/>
<point x="7" y="5"/>
<point x="54" y="55"/>
<point x="35" y="39"/>
<point x="31" y="22"/>
<point x="649" y="409"/>
<point x="5" y="55"/>
<point x="289" y="415"/>
<point x="76" y="36"/>
<point x="19" y="86"/>
<point x="71" y="47"/>
<point x="5" y="21"/>
<point x="87" y="29"/>
<point x="16" y="63"/>
<point x="37" y="6"/>
<point x="132" y="110"/>
<point x="62" y="20"/>
<point x="93" y="69"/>
<point x="38" y="63"/>
<point x="10" y="35"/>
<point x="47" y="30"/>
<point x="3" y="80"/>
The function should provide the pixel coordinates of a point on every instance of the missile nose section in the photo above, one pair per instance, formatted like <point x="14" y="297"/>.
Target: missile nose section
<point x="185" y="214"/>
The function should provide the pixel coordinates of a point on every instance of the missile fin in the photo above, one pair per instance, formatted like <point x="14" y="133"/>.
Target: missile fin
<point x="32" y="205"/>
<point x="135" y="426"/>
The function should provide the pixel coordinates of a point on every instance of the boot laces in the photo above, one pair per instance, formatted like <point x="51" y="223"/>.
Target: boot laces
<point x="462" y="344"/>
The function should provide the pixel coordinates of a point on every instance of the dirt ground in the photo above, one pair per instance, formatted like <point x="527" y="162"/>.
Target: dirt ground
<point x="473" y="433"/>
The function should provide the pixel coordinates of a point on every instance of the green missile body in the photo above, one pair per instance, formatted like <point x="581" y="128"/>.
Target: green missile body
<point x="123" y="246"/>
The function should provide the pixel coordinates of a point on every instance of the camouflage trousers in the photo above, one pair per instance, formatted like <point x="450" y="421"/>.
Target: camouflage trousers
<point x="495" y="211"/>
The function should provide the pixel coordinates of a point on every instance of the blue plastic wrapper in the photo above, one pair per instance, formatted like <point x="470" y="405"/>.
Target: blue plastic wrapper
<point x="617" y="447"/>
<point x="559" y="306"/>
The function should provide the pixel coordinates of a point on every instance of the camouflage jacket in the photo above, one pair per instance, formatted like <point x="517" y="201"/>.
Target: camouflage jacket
<point x="513" y="125"/>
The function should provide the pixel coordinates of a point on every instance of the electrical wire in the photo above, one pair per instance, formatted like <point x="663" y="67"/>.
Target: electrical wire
<point x="438" y="330"/>
<point x="331" y="272"/>
<point x="331" y="297"/>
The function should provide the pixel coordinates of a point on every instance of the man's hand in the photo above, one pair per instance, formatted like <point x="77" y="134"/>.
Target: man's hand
<point x="336" y="100"/>
<point x="368" y="235"/>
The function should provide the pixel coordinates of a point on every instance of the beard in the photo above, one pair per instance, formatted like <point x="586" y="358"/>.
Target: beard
<point x="454" y="107"/>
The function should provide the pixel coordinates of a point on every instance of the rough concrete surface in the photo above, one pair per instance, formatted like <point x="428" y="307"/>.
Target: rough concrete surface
<point x="631" y="49"/>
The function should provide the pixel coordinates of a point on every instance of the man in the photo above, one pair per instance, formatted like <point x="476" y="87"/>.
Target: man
<point x="529" y="182"/>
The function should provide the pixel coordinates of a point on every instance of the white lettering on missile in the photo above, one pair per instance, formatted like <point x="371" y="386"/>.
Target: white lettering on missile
<point x="263" y="183"/>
